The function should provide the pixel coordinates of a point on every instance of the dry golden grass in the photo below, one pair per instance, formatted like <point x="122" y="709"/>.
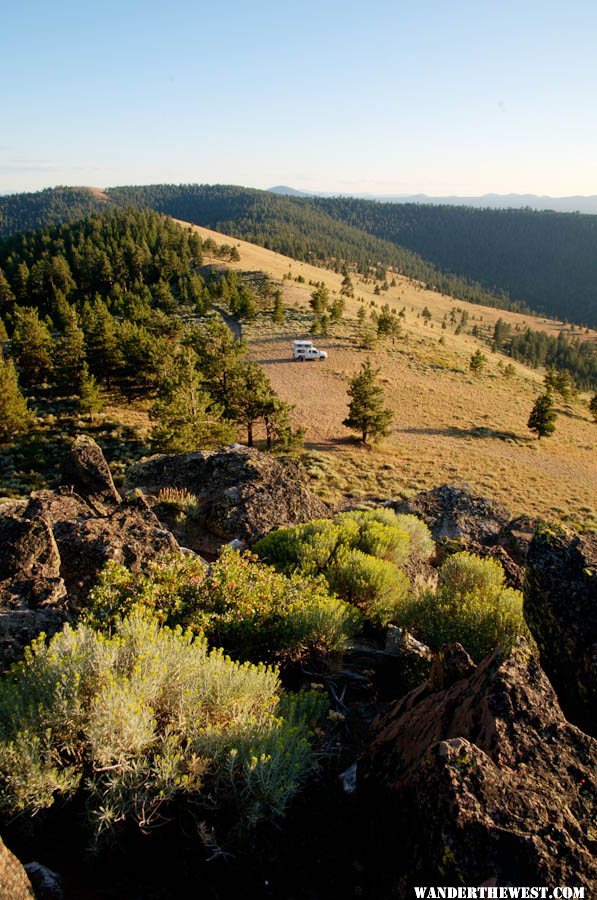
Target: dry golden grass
<point x="448" y="425"/>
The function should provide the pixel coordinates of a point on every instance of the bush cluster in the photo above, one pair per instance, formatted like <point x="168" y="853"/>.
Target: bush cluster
<point x="145" y="719"/>
<point x="359" y="553"/>
<point x="238" y="603"/>
<point x="472" y="605"/>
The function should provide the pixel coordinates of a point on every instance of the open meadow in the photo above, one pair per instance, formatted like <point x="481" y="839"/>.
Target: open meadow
<point x="449" y="425"/>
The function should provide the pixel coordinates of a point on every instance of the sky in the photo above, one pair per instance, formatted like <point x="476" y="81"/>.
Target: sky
<point x="378" y="96"/>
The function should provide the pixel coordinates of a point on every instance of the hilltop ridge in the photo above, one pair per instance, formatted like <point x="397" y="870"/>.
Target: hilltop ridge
<point x="518" y="259"/>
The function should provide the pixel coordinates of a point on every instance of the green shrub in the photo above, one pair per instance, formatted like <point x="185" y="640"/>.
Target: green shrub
<point x="421" y="542"/>
<point x="248" y="608"/>
<point x="146" y="719"/>
<point x="472" y="605"/>
<point x="375" y="586"/>
<point x="358" y="552"/>
<point x="378" y="534"/>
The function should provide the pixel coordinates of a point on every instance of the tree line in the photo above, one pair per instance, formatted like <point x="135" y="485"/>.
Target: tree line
<point x="296" y="227"/>
<point x="94" y="305"/>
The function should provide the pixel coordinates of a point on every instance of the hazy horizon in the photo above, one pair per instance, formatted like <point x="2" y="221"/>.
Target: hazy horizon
<point x="461" y="99"/>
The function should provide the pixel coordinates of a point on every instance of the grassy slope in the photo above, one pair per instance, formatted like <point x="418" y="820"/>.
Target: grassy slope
<point x="437" y="404"/>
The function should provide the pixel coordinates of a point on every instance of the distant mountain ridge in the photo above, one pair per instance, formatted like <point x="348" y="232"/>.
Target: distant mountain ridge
<point x="575" y="203"/>
<point x="521" y="259"/>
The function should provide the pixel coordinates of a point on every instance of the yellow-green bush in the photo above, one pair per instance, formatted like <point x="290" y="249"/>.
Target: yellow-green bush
<point x="239" y="603"/>
<point x="377" y="587"/>
<point x="472" y="605"/>
<point x="145" y="719"/>
<point x="358" y="552"/>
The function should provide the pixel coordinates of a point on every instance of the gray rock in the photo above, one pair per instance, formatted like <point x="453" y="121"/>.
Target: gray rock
<point x="47" y="884"/>
<point x="454" y="512"/>
<point x="560" y="606"/>
<point x="87" y="473"/>
<point x="242" y="493"/>
<point x="478" y="778"/>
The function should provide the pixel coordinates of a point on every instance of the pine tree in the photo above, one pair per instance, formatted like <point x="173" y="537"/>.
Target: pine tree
<point x="31" y="346"/>
<point x="90" y="398"/>
<point x="219" y="355"/>
<point x="337" y="310"/>
<point x="186" y="417"/>
<point x="15" y="416"/>
<point x="593" y="406"/>
<point x="280" y="435"/>
<point x="252" y="397"/>
<point x="543" y="416"/>
<point x="347" y="287"/>
<point x="6" y="292"/>
<point x="319" y="300"/>
<point x="102" y="341"/>
<point x="70" y="354"/>
<point x="366" y="412"/>
<point x="477" y="362"/>
<point x="278" y="312"/>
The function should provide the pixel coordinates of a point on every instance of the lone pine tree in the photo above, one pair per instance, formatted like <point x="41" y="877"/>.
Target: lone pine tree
<point x="543" y="416"/>
<point x="366" y="412"/>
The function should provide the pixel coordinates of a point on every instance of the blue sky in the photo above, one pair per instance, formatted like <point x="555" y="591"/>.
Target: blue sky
<point x="434" y="96"/>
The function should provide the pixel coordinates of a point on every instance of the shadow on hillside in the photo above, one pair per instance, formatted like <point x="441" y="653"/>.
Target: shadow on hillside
<point x="333" y="443"/>
<point x="481" y="431"/>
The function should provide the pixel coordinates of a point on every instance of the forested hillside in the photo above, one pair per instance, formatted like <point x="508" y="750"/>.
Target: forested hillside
<point x="113" y="308"/>
<point x="513" y="259"/>
<point x="288" y="225"/>
<point x="545" y="259"/>
<point x="44" y="209"/>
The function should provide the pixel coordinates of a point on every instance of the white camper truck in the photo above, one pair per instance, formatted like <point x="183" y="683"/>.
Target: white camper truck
<point x="302" y="350"/>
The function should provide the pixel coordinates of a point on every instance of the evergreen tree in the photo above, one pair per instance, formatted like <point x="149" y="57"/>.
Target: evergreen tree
<point x="90" y="398"/>
<point x="31" y="346"/>
<point x="70" y="353"/>
<point x="337" y="310"/>
<point x="102" y="341"/>
<point x="319" y="300"/>
<point x="6" y="292"/>
<point x="347" y="287"/>
<point x="477" y="362"/>
<point x="219" y="355"/>
<point x="366" y="412"/>
<point x="15" y="416"/>
<point x="186" y="417"/>
<point x="593" y="406"/>
<point x="252" y="397"/>
<point x="543" y="416"/>
<point x="280" y="435"/>
<point x="278" y="312"/>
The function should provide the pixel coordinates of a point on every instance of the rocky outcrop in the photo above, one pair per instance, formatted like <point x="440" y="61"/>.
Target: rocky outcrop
<point x="129" y="534"/>
<point x="242" y="493"/>
<point x="476" y="778"/>
<point x="516" y="536"/>
<point x="454" y="512"/>
<point x="14" y="882"/>
<point x="560" y="606"/>
<point x="88" y="474"/>
<point x="53" y="546"/>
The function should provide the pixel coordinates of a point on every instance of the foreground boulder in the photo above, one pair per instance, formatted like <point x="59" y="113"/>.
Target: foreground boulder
<point x="476" y="778"/>
<point x="454" y="512"/>
<point x="242" y="493"/>
<point x="53" y="545"/>
<point x="87" y="473"/>
<point x="14" y="882"/>
<point x="560" y="606"/>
